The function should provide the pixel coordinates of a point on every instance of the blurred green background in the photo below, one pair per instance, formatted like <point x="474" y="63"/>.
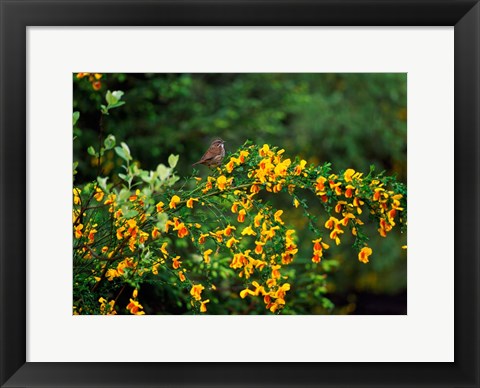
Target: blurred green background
<point x="351" y="120"/>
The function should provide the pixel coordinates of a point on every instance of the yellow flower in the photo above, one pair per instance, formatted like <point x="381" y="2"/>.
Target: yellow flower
<point x="404" y="247"/>
<point x="190" y="202"/>
<point x="257" y="219"/>
<point x="78" y="231"/>
<point x="203" y="308"/>
<point x="231" y="165"/>
<point x="222" y="182"/>
<point x="159" y="207"/>
<point x="119" y="232"/>
<point x="196" y="291"/>
<point x="246" y="292"/>
<point x="232" y="241"/>
<point x="281" y="168"/>
<point x="277" y="216"/>
<point x="91" y="235"/>
<point x="248" y="231"/>
<point x="173" y="202"/>
<point x="265" y="151"/>
<point x="331" y="222"/>
<point x="348" y="175"/>
<point x="135" y="293"/>
<point x="234" y="207"/>
<point x="163" y="249"/>
<point x="299" y="168"/>
<point x="296" y="202"/>
<point x="110" y="199"/>
<point x="76" y="196"/>
<point x="206" y="255"/>
<point x="201" y="239"/>
<point x="364" y="254"/>
<point x="334" y="235"/>
<point x="243" y="155"/>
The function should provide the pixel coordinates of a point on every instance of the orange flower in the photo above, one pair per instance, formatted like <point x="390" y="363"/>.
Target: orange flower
<point x="176" y="262"/>
<point x="259" y="247"/>
<point x="181" y="276"/>
<point x="254" y="189"/>
<point x="182" y="230"/>
<point x="299" y="168"/>
<point x="320" y="186"/>
<point x="241" y="215"/>
<point x="155" y="232"/>
<point x="190" y="202"/>
<point x="134" y="307"/>
<point x="228" y="230"/>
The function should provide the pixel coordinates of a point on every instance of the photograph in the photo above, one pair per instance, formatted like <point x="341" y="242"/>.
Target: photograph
<point x="239" y="193"/>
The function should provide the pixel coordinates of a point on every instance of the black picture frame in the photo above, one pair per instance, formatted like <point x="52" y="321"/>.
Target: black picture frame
<point x="16" y="15"/>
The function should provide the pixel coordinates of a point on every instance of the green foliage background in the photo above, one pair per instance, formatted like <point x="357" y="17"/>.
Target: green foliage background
<point x="351" y="120"/>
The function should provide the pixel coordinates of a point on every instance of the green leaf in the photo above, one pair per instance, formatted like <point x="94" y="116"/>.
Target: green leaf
<point x="102" y="182"/>
<point x="126" y="149"/>
<point x="123" y="195"/>
<point x="130" y="213"/>
<point x="163" y="172"/>
<point x="116" y="105"/>
<point x="121" y="152"/>
<point x="91" y="151"/>
<point x="162" y="220"/>
<point x="117" y="94"/>
<point x="76" y="116"/>
<point x="104" y="109"/>
<point x="145" y="176"/>
<point x="110" y="98"/>
<point x="173" y="180"/>
<point x="109" y="142"/>
<point x="173" y="160"/>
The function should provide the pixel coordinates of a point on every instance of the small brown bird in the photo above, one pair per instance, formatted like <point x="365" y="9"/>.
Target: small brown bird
<point x="214" y="155"/>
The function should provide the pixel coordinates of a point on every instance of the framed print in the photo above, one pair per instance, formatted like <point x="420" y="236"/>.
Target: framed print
<point x="198" y="130"/>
